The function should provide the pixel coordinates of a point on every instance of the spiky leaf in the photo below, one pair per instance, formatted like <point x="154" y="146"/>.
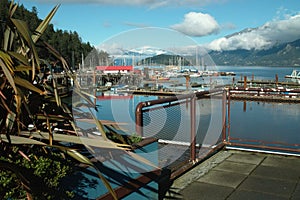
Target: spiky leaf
<point x="26" y="84"/>
<point x="42" y="27"/>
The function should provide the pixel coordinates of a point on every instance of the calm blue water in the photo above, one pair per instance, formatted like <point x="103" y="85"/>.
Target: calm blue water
<point x="257" y="73"/>
<point x="122" y="110"/>
<point x="265" y="73"/>
<point x="269" y="122"/>
<point x="272" y="122"/>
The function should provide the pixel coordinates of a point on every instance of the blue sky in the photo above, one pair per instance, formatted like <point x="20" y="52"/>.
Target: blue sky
<point x="207" y="22"/>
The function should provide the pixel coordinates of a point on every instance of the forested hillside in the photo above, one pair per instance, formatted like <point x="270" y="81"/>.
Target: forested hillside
<point x="68" y="43"/>
<point x="164" y="59"/>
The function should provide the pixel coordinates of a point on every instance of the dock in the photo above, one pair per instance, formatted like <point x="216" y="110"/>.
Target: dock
<point x="266" y="98"/>
<point x="232" y="167"/>
<point x="269" y="82"/>
<point x="153" y="92"/>
<point x="235" y="175"/>
<point x="265" y="94"/>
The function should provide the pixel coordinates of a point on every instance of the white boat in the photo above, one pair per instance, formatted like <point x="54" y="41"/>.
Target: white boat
<point x="294" y="75"/>
<point x="195" y="75"/>
<point x="209" y="73"/>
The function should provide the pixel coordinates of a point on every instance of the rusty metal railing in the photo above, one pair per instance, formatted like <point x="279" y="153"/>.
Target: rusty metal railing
<point x="191" y="103"/>
<point x="228" y="96"/>
<point x="271" y="95"/>
<point x="150" y="106"/>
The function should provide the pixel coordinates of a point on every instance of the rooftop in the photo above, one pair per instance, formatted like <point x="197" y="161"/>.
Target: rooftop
<point x="113" y="68"/>
<point x="232" y="174"/>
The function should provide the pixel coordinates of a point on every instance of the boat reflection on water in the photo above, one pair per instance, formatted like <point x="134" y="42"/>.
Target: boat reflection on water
<point x="113" y="95"/>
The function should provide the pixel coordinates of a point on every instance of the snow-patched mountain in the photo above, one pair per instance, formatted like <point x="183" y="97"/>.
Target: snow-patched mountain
<point x="286" y="54"/>
<point x="246" y="30"/>
<point x="147" y="51"/>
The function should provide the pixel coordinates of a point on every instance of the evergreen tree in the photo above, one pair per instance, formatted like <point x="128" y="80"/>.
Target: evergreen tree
<point x="68" y="43"/>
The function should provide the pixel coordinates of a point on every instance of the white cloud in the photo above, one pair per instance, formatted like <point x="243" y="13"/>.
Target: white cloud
<point x="247" y="41"/>
<point x="197" y="24"/>
<point x="111" y="48"/>
<point x="263" y="37"/>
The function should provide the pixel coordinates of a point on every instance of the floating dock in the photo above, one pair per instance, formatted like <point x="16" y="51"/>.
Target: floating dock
<point x="265" y="94"/>
<point x="269" y="82"/>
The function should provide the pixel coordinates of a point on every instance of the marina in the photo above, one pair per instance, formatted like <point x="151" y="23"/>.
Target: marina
<point x="196" y="117"/>
<point x="150" y="113"/>
<point x="154" y="79"/>
<point x="265" y="79"/>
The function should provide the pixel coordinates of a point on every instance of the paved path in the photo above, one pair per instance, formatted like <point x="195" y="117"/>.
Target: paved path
<point x="236" y="175"/>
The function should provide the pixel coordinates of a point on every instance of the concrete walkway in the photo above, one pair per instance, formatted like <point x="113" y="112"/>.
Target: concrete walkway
<point x="236" y="175"/>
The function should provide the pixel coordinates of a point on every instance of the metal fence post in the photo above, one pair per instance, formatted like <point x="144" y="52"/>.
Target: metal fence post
<point x="193" y="128"/>
<point x="139" y="118"/>
<point x="228" y="117"/>
<point x="224" y="101"/>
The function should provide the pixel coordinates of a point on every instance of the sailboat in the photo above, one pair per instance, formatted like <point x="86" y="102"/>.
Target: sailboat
<point x="294" y="75"/>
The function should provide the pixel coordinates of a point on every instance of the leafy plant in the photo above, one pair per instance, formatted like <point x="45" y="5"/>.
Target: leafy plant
<point x="47" y="171"/>
<point x="26" y="101"/>
<point x="32" y="151"/>
<point x="134" y="138"/>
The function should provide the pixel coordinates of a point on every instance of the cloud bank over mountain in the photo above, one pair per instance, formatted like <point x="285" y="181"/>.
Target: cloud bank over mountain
<point x="263" y="37"/>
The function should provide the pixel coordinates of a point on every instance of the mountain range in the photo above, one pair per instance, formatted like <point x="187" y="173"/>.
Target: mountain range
<point x="285" y="54"/>
<point x="274" y="51"/>
<point x="146" y="51"/>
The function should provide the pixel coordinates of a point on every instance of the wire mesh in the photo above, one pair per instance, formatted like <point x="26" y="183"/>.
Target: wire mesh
<point x="187" y="129"/>
<point x="168" y="122"/>
<point x="209" y="122"/>
<point x="265" y="124"/>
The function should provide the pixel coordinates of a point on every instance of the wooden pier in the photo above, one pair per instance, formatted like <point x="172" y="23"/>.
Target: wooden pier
<point x="265" y="94"/>
<point x="154" y="92"/>
<point x="269" y="82"/>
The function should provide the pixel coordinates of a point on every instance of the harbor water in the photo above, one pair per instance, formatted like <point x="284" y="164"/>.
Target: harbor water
<point x="271" y="122"/>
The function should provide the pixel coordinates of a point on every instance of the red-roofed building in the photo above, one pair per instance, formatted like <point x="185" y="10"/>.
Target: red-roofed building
<point x="115" y="69"/>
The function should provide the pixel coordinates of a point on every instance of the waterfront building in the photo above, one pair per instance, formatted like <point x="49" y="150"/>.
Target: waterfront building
<point x="115" y="69"/>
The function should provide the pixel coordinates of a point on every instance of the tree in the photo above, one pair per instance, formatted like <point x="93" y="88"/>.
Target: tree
<point x="104" y="58"/>
<point x="27" y="112"/>
<point x="31" y="151"/>
<point x="68" y="43"/>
